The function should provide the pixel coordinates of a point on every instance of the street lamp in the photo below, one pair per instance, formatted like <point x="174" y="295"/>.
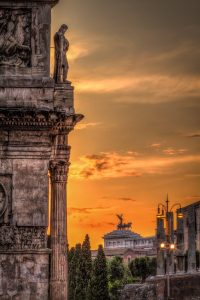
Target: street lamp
<point x="168" y="245"/>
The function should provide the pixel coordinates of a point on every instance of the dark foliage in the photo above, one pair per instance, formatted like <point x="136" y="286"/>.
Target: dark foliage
<point x="118" y="275"/>
<point x="87" y="265"/>
<point x="72" y="273"/>
<point x="79" y="292"/>
<point x="143" y="267"/>
<point x="99" y="281"/>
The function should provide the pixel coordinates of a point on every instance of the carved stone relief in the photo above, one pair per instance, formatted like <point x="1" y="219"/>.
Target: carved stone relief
<point x="36" y="33"/>
<point x="3" y="200"/>
<point x="15" y="37"/>
<point x="22" y="238"/>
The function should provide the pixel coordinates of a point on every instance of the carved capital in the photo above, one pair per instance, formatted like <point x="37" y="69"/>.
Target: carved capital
<point x="59" y="170"/>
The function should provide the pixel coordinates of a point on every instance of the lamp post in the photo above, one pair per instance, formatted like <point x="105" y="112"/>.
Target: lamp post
<point x="168" y="245"/>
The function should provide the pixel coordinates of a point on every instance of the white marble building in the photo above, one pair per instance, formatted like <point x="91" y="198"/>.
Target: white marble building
<point x="128" y="239"/>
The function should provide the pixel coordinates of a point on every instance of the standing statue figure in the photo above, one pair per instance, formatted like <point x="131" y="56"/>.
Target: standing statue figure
<point x="61" y="47"/>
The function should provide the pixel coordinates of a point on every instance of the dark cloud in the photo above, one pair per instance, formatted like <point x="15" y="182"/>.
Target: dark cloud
<point x="135" y="37"/>
<point x="119" y="198"/>
<point x="98" y="225"/>
<point x="87" y="172"/>
<point x="86" y="210"/>
<point x="194" y="135"/>
<point x="126" y="199"/>
<point x="76" y="210"/>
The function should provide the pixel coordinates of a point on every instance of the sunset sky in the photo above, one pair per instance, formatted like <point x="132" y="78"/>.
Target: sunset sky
<point x="135" y="65"/>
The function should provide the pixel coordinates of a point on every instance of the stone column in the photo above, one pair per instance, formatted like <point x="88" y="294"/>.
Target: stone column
<point x="180" y="244"/>
<point x="160" y="236"/>
<point x="170" y="238"/>
<point x="198" y="232"/>
<point x="58" y="280"/>
<point x="191" y="239"/>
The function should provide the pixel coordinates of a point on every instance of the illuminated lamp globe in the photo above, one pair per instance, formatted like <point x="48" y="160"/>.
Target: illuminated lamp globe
<point x="162" y="245"/>
<point x="172" y="246"/>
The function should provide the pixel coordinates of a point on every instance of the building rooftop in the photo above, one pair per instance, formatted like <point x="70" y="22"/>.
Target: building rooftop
<point x="122" y="234"/>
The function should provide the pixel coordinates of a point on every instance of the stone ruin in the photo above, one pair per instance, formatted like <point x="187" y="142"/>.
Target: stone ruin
<point x="36" y="115"/>
<point x="183" y="268"/>
<point x="186" y="237"/>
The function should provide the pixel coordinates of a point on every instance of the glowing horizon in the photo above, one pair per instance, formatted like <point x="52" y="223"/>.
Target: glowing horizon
<point x="136" y="71"/>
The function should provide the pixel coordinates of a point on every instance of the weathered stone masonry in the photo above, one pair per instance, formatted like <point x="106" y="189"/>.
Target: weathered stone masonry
<point x="36" y="116"/>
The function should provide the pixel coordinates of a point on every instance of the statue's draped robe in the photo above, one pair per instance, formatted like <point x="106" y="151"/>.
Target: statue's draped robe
<point x="61" y="47"/>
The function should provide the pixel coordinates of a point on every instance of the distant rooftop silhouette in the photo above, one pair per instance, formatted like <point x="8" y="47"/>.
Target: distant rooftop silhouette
<point x="122" y="234"/>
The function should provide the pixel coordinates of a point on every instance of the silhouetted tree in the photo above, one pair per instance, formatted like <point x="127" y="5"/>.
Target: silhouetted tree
<point x="87" y="264"/>
<point x="71" y="273"/>
<point x="99" y="282"/>
<point x="79" y="292"/>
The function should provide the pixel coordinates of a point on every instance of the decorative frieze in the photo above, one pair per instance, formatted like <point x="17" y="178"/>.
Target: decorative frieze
<point x="3" y="200"/>
<point x="5" y="197"/>
<point x="15" y="37"/>
<point x="26" y="120"/>
<point x="22" y="238"/>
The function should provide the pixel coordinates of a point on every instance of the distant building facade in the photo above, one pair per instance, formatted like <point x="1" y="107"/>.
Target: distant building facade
<point x="186" y="238"/>
<point x="127" y="239"/>
<point x="127" y="244"/>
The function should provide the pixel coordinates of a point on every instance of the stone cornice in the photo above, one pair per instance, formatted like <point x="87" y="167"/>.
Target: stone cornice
<point x="28" y="2"/>
<point x="38" y="120"/>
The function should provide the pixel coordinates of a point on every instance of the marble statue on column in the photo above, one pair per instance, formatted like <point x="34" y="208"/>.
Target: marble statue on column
<point x="61" y="47"/>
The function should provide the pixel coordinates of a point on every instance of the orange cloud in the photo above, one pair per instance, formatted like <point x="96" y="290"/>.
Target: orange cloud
<point x="160" y="87"/>
<point x="87" y="210"/>
<point x="155" y="145"/>
<point x="171" y="151"/>
<point x="86" y="125"/>
<point x="97" y="225"/>
<point x="115" y="165"/>
<point x="192" y="198"/>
